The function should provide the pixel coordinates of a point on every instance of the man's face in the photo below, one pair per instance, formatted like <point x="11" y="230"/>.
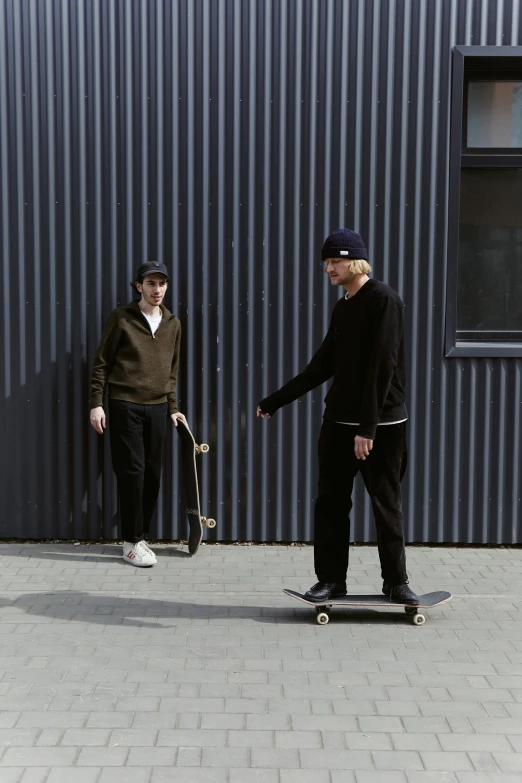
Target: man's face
<point x="153" y="288"/>
<point x="338" y="270"/>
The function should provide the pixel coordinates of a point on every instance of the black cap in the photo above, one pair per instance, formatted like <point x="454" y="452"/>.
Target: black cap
<point x="151" y="267"/>
<point x="344" y="243"/>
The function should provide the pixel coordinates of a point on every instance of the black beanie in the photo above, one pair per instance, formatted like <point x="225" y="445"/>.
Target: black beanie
<point x="344" y="243"/>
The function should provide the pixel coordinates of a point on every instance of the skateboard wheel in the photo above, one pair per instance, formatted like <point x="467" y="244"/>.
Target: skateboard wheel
<point x="418" y="619"/>
<point x="322" y="618"/>
<point x="203" y="448"/>
<point x="410" y="609"/>
<point x="208" y="522"/>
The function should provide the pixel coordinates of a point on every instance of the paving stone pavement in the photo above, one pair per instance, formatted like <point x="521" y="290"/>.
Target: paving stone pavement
<point x="201" y="671"/>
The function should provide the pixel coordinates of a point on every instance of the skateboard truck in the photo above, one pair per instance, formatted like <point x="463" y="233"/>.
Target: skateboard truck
<point x="204" y="521"/>
<point x="323" y="613"/>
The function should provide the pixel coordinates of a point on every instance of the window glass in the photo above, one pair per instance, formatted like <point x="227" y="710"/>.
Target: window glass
<point x="489" y="296"/>
<point x="494" y="115"/>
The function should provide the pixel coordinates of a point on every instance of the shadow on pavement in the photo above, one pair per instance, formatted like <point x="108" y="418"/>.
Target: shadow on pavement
<point x="77" y="606"/>
<point x="107" y="553"/>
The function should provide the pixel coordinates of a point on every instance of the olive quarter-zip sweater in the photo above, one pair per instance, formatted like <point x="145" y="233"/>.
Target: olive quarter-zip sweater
<point x="137" y="365"/>
<point x="364" y="353"/>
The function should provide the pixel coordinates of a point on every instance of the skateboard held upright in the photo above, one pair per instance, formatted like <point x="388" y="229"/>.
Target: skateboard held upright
<point x="196" y="521"/>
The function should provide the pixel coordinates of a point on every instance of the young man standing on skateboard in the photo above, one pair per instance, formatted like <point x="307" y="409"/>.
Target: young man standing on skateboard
<point x="364" y="425"/>
<point x="138" y="359"/>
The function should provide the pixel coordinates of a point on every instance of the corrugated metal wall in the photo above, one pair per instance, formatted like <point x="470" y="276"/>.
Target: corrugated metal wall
<point x="228" y="137"/>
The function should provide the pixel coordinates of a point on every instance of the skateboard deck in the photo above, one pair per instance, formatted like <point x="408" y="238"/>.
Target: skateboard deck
<point x="196" y="521"/>
<point x="381" y="601"/>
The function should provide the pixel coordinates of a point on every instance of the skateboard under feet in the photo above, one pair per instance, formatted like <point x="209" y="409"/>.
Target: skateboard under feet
<point x="426" y="601"/>
<point x="196" y="521"/>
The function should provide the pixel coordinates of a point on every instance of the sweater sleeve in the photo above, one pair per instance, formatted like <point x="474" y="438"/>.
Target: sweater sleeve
<point x="387" y="316"/>
<point x="104" y="359"/>
<point x="320" y="369"/>
<point x="172" y="397"/>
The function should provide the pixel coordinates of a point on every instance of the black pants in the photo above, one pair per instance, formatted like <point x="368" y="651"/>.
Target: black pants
<point x="137" y="434"/>
<point x="382" y="473"/>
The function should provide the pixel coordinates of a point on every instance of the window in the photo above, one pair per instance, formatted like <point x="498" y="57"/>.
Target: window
<point x="484" y="293"/>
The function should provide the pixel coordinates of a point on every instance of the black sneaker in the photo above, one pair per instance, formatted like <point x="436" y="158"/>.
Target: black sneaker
<point x="323" y="591"/>
<point x="401" y="594"/>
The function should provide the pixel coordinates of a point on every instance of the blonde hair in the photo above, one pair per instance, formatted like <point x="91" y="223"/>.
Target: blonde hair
<point x="359" y="267"/>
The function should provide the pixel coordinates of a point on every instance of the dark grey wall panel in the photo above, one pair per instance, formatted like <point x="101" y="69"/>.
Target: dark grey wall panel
<point x="228" y="137"/>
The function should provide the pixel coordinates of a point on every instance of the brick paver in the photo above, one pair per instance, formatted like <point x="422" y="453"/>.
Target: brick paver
<point x="200" y="670"/>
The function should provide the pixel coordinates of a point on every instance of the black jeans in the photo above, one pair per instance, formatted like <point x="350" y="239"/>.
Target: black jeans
<point x="382" y="473"/>
<point x="137" y="434"/>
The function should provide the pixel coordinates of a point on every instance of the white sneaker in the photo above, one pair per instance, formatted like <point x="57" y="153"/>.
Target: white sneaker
<point x="147" y="547"/>
<point x="138" y="555"/>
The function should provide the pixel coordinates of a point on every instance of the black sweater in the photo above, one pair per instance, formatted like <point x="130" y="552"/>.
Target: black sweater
<point x="364" y="353"/>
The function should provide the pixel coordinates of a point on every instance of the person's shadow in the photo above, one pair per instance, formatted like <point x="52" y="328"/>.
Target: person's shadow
<point x="75" y="605"/>
<point x="51" y="465"/>
<point x="78" y="606"/>
<point x="56" y="472"/>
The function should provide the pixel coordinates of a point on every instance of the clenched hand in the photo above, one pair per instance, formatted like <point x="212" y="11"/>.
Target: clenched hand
<point x="179" y="417"/>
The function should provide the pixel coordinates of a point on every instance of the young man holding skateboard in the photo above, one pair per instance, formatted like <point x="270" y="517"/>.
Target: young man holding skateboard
<point x="138" y="360"/>
<point x="364" y="426"/>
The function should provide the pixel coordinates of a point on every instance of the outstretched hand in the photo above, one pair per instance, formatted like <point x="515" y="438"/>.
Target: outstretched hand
<point x="179" y="417"/>
<point x="261" y="415"/>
